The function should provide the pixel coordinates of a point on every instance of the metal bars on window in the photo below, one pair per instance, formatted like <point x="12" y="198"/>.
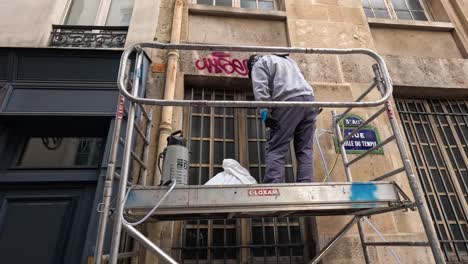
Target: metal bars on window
<point x="216" y="134"/>
<point x="211" y="139"/>
<point x="276" y="240"/>
<point x="437" y="132"/>
<point x="211" y="136"/>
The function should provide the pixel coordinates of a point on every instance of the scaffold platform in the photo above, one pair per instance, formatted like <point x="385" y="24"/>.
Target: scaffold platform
<point x="263" y="200"/>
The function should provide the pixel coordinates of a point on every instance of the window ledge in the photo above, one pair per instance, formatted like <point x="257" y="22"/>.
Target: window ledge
<point x="236" y="12"/>
<point x="410" y="24"/>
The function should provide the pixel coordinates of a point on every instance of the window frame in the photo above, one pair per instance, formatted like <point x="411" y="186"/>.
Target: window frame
<point x="237" y="4"/>
<point x="101" y="15"/>
<point x="392" y="12"/>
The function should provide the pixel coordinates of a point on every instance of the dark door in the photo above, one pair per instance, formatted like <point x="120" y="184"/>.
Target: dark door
<point x="49" y="170"/>
<point x="44" y="223"/>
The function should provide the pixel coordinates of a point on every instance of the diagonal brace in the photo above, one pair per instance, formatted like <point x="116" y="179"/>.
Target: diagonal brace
<point x="155" y="250"/>
<point x="332" y="242"/>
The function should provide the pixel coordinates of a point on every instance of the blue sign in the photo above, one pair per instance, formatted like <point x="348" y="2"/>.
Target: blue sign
<point x="363" y="140"/>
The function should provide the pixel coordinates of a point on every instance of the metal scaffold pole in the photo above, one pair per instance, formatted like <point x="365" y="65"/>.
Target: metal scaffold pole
<point x="107" y="193"/>
<point x="413" y="181"/>
<point x="117" y="229"/>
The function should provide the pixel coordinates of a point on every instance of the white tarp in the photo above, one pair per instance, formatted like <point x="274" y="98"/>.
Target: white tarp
<point x="233" y="173"/>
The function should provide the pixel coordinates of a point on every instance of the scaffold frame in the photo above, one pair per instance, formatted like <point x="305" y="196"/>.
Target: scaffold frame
<point x="137" y="112"/>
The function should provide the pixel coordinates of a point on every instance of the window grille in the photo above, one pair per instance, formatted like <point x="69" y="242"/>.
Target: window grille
<point x="215" y="134"/>
<point x="437" y="132"/>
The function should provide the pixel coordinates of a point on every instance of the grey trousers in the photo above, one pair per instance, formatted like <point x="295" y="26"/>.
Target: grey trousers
<point x="296" y="123"/>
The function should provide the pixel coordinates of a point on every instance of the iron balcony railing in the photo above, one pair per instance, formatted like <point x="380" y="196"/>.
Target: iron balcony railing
<point x="88" y="36"/>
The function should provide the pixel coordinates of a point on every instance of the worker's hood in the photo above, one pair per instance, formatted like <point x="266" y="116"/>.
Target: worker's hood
<point x="251" y="62"/>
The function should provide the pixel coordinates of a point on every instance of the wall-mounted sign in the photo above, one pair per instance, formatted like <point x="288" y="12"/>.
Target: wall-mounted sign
<point x="367" y="138"/>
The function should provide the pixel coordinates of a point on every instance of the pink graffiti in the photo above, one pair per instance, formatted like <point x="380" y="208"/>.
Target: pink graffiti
<point x="219" y="62"/>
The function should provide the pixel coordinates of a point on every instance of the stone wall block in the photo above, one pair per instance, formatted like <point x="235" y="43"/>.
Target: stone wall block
<point x="407" y="42"/>
<point x="456" y="71"/>
<point x="385" y="224"/>
<point x="357" y="68"/>
<point x="350" y="3"/>
<point x="163" y="31"/>
<point x="347" y="251"/>
<point x="236" y="31"/>
<point x="319" y="68"/>
<point x="330" y="35"/>
<point x="408" y="222"/>
<point x="326" y="2"/>
<point x="331" y="225"/>
<point x="348" y="15"/>
<point x="428" y="72"/>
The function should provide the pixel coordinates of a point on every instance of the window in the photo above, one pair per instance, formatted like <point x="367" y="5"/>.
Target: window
<point x="100" y="12"/>
<point x="437" y="132"/>
<point x="395" y="9"/>
<point x="94" y="24"/>
<point x="59" y="152"/>
<point x="215" y="134"/>
<point x="375" y="8"/>
<point x="256" y="4"/>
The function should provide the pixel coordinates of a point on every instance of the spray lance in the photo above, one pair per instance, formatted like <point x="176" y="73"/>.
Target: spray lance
<point x="175" y="160"/>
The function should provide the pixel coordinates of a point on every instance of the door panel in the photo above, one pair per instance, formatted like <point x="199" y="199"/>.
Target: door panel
<point x="45" y="223"/>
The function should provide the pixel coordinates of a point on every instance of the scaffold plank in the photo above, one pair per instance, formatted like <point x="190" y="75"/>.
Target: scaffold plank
<point x="246" y="201"/>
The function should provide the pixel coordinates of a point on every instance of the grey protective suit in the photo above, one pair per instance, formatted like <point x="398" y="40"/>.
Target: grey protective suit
<point x="277" y="78"/>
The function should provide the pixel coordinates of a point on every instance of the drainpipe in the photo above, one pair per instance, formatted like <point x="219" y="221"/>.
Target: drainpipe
<point x="165" y="127"/>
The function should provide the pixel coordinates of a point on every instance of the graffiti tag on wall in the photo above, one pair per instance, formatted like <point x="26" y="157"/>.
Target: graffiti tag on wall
<point x="221" y="62"/>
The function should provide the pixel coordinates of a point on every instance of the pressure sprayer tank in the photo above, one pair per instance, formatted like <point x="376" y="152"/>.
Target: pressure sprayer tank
<point x="175" y="159"/>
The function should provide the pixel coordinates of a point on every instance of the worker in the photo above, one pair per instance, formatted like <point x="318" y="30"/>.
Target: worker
<point x="278" y="78"/>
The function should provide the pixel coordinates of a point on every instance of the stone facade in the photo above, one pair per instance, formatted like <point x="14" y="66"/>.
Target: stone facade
<point x="421" y="56"/>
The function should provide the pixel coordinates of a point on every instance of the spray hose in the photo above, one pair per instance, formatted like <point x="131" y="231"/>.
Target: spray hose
<point x="330" y="171"/>
<point x="171" y="187"/>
